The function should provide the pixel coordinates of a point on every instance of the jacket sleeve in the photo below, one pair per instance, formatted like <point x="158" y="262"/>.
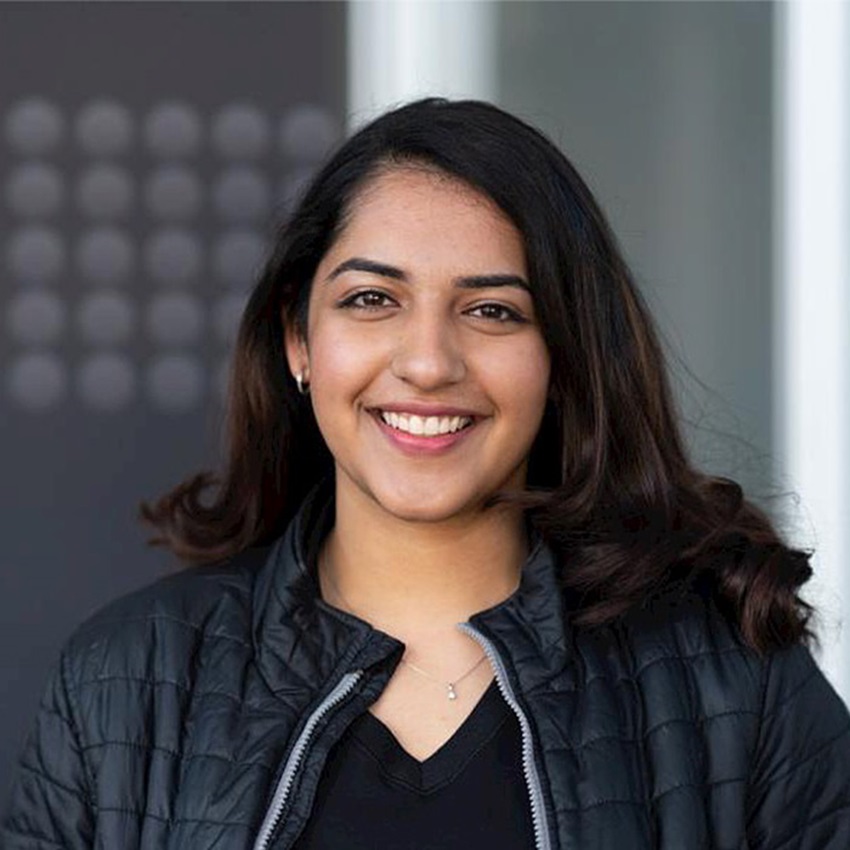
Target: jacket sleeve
<point x="50" y="805"/>
<point x="799" y="794"/>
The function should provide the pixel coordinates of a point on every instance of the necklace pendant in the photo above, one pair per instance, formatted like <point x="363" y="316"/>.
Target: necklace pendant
<point x="452" y="692"/>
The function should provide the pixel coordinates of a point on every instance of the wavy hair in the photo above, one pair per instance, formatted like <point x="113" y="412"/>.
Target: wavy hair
<point x="609" y="485"/>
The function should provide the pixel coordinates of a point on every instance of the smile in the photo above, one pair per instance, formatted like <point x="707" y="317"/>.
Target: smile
<point x="425" y="426"/>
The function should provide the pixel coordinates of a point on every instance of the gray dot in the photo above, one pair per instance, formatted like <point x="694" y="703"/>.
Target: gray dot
<point x="104" y="128"/>
<point x="173" y="130"/>
<point x="240" y="131"/>
<point x="175" y="319"/>
<point x="34" y="126"/>
<point x="241" y="194"/>
<point x="173" y="256"/>
<point x="105" y="192"/>
<point x="106" y="382"/>
<point x="308" y="132"/>
<point x="227" y="314"/>
<point x="221" y="379"/>
<point x="37" y="381"/>
<point x="36" y="317"/>
<point x="237" y="256"/>
<point x="36" y="254"/>
<point x="105" y="255"/>
<point x="106" y="318"/>
<point x="293" y="186"/>
<point x="35" y="190"/>
<point x="175" y="383"/>
<point x="173" y="192"/>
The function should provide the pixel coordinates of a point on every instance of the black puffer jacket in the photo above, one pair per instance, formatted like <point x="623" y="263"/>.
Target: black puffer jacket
<point x="198" y="714"/>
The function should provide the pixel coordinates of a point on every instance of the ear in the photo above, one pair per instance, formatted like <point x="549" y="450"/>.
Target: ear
<point x="297" y="356"/>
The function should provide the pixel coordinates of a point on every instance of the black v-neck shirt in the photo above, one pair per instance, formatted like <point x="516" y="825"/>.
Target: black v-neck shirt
<point x="469" y="793"/>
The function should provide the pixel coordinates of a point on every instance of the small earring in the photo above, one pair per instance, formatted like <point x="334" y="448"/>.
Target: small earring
<point x="303" y="386"/>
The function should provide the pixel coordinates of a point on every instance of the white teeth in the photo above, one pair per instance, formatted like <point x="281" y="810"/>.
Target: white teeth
<point x="428" y="426"/>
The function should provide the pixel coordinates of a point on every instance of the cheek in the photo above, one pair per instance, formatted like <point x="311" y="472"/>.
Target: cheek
<point x="341" y="366"/>
<point x="519" y="383"/>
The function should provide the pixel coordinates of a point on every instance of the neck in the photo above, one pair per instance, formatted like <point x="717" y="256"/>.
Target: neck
<point x="419" y="579"/>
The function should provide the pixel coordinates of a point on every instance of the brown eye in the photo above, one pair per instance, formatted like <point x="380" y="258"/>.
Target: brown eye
<point x="495" y="312"/>
<point x="369" y="299"/>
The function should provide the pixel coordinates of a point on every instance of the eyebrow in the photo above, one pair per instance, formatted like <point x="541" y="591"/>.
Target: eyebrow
<point x="479" y="281"/>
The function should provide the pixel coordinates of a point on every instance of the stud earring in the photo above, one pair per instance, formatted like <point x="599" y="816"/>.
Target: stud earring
<point x="303" y="386"/>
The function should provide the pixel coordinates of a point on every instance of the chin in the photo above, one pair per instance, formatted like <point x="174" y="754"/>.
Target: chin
<point x="423" y="512"/>
<point x="431" y="498"/>
<point x="425" y="507"/>
<point x="417" y="505"/>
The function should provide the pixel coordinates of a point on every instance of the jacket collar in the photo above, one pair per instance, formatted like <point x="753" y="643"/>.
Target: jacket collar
<point x="302" y="643"/>
<point x="296" y="631"/>
<point x="531" y="627"/>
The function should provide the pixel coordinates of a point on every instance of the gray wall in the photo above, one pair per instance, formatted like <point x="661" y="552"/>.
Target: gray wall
<point x="128" y="235"/>
<point x="666" y="110"/>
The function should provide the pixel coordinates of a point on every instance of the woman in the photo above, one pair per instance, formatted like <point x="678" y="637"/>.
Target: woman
<point x="463" y="585"/>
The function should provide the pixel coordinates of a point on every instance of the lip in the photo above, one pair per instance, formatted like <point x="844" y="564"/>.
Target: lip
<point x="418" y="444"/>
<point x="419" y="408"/>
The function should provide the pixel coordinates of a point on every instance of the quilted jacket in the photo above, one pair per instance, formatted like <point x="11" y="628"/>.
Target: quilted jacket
<point x="199" y="713"/>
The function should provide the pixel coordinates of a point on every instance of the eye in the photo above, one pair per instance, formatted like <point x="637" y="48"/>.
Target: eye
<point x="496" y="312"/>
<point x="367" y="299"/>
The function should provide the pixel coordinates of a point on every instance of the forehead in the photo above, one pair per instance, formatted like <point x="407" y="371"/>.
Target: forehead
<point x="418" y="213"/>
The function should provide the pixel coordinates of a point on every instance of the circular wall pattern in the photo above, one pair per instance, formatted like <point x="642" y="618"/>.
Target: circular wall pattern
<point x="175" y="319"/>
<point x="37" y="381"/>
<point x="173" y="129"/>
<point x="105" y="255"/>
<point x="240" y="131"/>
<point x="104" y="128"/>
<point x="241" y="194"/>
<point x="105" y="192"/>
<point x="175" y="383"/>
<point x="106" y="382"/>
<point x="35" y="254"/>
<point x="221" y="379"/>
<point x="237" y="257"/>
<point x="36" y="317"/>
<point x="105" y="318"/>
<point x="293" y="185"/>
<point x="34" y="126"/>
<point x="227" y="314"/>
<point x="35" y="190"/>
<point x="172" y="218"/>
<point x="173" y="193"/>
<point x="308" y="132"/>
<point x="173" y="256"/>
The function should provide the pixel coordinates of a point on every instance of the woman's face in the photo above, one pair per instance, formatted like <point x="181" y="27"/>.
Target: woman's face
<point x="427" y="367"/>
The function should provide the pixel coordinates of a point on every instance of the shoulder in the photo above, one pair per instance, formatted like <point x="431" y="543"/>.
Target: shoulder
<point x="689" y="659"/>
<point x="686" y="625"/>
<point x="687" y="639"/>
<point x="152" y="631"/>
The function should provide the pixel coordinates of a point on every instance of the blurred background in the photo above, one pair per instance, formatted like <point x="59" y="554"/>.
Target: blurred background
<point x="146" y="151"/>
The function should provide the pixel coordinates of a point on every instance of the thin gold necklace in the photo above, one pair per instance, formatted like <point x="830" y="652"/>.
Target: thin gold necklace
<point x="451" y="692"/>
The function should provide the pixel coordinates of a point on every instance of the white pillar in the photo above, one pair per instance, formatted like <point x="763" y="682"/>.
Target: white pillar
<point x="400" y="50"/>
<point x="812" y="352"/>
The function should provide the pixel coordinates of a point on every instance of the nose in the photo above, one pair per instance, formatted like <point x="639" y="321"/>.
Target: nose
<point x="427" y="354"/>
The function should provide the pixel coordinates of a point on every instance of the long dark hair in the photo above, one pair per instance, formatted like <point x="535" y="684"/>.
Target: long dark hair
<point x="610" y="485"/>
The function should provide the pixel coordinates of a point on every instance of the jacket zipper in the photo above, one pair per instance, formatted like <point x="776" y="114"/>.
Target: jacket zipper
<point x="542" y="840"/>
<point x="287" y="777"/>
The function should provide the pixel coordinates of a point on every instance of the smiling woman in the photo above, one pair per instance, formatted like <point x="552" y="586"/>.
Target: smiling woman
<point x="459" y="583"/>
<point x="421" y="321"/>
